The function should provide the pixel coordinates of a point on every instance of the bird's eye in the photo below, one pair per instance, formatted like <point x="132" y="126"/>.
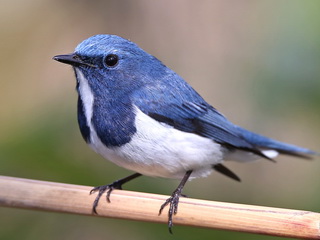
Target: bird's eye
<point x="111" y="60"/>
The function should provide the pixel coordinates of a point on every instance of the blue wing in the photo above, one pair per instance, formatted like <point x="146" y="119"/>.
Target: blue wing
<point x="211" y="124"/>
<point x="197" y="116"/>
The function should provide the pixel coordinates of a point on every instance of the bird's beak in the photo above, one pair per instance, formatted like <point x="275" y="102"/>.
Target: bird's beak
<point x="72" y="59"/>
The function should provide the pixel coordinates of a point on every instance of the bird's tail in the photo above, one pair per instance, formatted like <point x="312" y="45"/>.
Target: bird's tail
<point x="270" y="147"/>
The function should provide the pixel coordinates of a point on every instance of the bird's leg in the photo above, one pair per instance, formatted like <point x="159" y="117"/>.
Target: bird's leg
<point x="173" y="201"/>
<point x="109" y="188"/>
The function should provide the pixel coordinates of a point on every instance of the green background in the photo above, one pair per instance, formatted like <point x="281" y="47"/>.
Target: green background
<point x="258" y="62"/>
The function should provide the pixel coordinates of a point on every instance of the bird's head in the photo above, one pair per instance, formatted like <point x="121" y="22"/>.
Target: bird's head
<point x="113" y="64"/>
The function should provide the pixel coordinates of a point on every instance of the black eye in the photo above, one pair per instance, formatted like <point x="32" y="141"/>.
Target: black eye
<point x="111" y="60"/>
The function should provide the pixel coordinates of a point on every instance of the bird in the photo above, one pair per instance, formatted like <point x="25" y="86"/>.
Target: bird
<point x="141" y="115"/>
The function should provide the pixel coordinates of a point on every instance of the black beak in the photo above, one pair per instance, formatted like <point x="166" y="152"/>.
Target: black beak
<point x="71" y="59"/>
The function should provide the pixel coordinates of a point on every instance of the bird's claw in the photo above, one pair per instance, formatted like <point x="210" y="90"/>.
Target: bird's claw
<point x="173" y="203"/>
<point x="109" y="188"/>
<point x="101" y="190"/>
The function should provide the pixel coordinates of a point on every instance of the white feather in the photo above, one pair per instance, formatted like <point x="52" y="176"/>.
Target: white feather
<point x="159" y="150"/>
<point x="86" y="96"/>
<point x="270" y="153"/>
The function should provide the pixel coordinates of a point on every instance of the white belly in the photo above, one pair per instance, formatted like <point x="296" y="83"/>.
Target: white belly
<point x="162" y="151"/>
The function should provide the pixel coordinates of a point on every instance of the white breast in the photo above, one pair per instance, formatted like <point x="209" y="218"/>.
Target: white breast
<point x="160" y="150"/>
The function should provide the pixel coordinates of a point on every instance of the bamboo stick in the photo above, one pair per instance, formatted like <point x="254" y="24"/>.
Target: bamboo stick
<point x="58" y="197"/>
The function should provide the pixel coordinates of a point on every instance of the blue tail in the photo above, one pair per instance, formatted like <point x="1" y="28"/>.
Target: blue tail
<point x="268" y="143"/>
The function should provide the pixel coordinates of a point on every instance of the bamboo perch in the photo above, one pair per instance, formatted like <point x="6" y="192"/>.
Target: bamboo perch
<point x="58" y="197"/>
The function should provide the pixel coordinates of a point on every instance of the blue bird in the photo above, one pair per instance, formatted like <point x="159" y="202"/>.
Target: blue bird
<point x="141" y="115"/>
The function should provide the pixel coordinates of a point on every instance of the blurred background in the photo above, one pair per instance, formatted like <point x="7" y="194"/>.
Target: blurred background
<point x="258" y="62"/>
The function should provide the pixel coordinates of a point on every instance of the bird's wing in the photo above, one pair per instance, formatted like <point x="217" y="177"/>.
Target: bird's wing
<point x="206" y="121"/>
<point x="171" y="100"/>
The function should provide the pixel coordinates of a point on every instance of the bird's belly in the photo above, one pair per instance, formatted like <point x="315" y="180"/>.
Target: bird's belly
<point x="157" y="149"/>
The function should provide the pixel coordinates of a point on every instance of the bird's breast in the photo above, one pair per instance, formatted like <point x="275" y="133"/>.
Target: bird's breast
<point x="156" y="149"/>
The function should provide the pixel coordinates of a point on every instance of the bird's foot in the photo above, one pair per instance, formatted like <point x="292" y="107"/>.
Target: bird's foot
<point x="101" y="190"/>
<point x="173" y="203"/>
<point x="109" y="188"/>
